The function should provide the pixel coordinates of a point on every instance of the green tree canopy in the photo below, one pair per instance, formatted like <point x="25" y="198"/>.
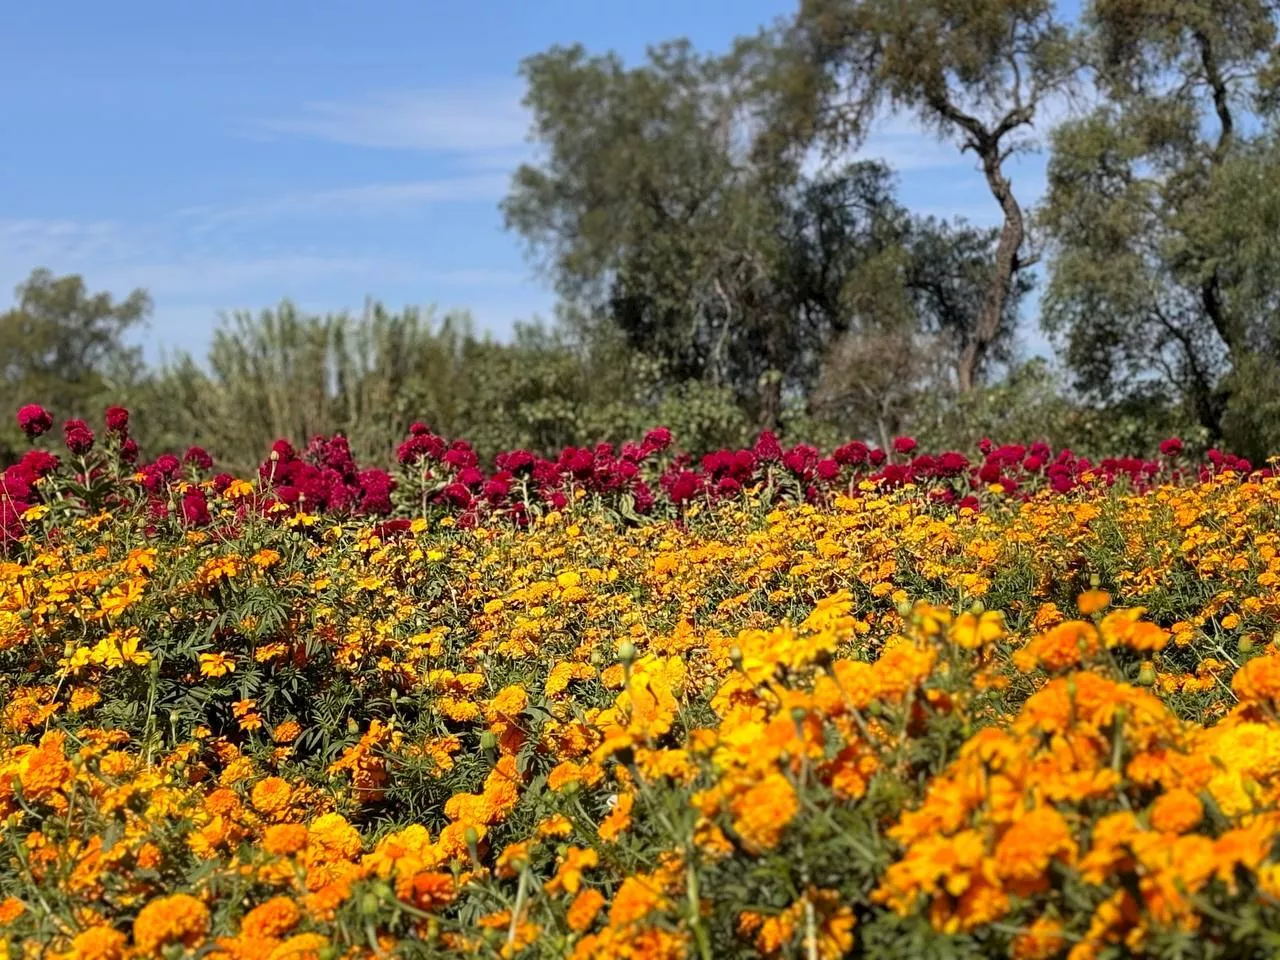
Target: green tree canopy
<point x="979" y="72"/>
<point x="64" y="347"/>
<point x="1162" y="209"/>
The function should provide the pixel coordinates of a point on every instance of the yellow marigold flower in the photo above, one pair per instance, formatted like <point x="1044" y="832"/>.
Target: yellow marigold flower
<point x="508" y="703"/>
<point x="971" y="632"/>
<point x="216" y="664"/>
<point x="180" y="918"/>
<point x="82" y="698"/>
<point x="330" y="837"/>
<point x="556" y="825"/>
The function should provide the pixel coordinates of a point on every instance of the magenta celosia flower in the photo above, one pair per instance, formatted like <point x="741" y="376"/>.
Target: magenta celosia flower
<point x="34" y="420"/>
<point x="657" y="439"/>
<point x="198" y="458"/>
<point x="79" y="437"/>
<point x="117" y="420"/>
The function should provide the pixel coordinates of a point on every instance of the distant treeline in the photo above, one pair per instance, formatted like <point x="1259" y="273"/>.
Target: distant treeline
<point x="723" y="269"/>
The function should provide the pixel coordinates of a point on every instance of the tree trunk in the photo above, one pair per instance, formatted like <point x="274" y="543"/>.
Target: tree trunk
<point x="1002" y="271"/>
<point x="770" y="401"/>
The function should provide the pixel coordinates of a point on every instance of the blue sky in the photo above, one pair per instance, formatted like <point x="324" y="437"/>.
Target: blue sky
<point x="226" y="155"/>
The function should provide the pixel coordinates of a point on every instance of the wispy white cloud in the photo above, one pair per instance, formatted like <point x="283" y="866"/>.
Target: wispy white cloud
<point x="373" y="199"/>
<point x="192" y="286"/>
<point x="474" y="120"/>
<point x="200" y="277"/>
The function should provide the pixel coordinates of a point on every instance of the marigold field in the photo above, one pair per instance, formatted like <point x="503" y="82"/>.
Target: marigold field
<point x="885" y="708"/>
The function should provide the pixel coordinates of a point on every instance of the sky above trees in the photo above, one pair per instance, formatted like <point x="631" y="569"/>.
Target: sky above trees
<point x="224" y="157"/>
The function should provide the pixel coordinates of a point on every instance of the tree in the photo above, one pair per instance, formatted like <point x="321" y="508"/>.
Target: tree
<point x="651" y="206"/>
<point x="62" y="347"/>
<point x="947" y="279"/>
<point x="977" y="71"/>
<point x="1162" y="207"/>
<point x="913" y="310"/>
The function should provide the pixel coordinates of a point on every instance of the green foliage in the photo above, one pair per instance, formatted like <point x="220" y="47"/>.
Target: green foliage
<point x="63" y="347"/>
<point x="1161" y="207"/>
<point x="978" y="73"/>
<point x="1032" y="403"/>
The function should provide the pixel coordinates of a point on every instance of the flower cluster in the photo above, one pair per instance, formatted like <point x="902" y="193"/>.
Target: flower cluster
<point x="301" y="715"/>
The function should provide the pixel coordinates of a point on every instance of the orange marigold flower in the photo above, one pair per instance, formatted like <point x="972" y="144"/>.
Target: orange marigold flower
<point x="100" y="942"/>
<point x="271" y="796"/>
<point x="1062" y="646"/>
<point x="619" y="818"/>
<point x="302" y="946"/>
<point x="216" y="664"/>
<point x="1036" y="838"/>
<point x="764" y="811"/>
<point x="1176" y="811"/>
<point x="11" y="908"/>
<point x="636" y="897"/>
<point x="180" y="918"/>
<point x="430" y="891"/>
<point x="286" y="732"/>
<point x="569" y="875"/>
<point x="1092" y="601"/>
<point x="1043" y="940"/>
<point x="222" y="803"/>
<point x="582" y="912"/>
<point x="274" y="918"/>
<point x="1258" y="680"/>
<point x="148" y="857"/>
<point x="284" y="839"/>
<point x="1124" y="628"/>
